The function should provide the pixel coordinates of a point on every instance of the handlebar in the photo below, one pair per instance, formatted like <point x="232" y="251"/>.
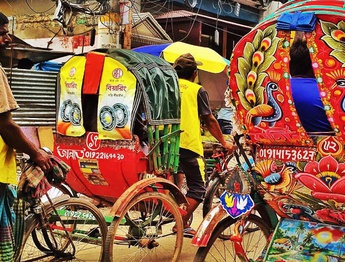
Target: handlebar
<point x="220" y="153"/>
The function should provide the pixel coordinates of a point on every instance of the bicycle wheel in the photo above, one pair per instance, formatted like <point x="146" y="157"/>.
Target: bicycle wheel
<point x="85" y="233"/>
<point x="254" y="241"/>
<point x="144" y="233"/>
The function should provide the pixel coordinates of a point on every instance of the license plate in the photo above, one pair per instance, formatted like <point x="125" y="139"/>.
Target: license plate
<point x="286" y="153"/>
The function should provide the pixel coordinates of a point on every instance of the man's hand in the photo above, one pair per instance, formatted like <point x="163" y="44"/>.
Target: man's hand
<point x="43" y="160"/>
<point x="229" y="146"/>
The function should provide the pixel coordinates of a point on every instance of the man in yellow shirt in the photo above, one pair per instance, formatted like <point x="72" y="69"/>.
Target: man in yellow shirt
<point x="11" y="137"/>
<point x="194" y="107"/>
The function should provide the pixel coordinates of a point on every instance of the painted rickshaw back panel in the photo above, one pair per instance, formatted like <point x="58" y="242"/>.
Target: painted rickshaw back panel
<point x="301" y="175"/>
<point x="118" y="120"/>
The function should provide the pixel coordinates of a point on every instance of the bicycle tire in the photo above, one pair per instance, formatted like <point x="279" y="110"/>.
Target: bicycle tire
<point x="219" y="249"/>
<point x="82" y="219"/>
<point x="210" y="195"/>
<point x="144" y="231"/>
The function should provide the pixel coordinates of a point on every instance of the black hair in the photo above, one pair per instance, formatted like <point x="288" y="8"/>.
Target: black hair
<point x="300" y="62"/>
<point x="184" y="73"/>
<point x="3" y="19"/>
<point x="25" y="63"/>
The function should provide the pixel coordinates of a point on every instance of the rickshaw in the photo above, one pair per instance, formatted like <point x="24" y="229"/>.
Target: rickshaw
<point x="299" y="175"/>
<point x="118" y="128"/>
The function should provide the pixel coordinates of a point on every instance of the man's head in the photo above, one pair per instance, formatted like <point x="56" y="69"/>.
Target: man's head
<point x="300" y="63"/>
<point x="185" y="66"/>
<point x="5" y="39"/>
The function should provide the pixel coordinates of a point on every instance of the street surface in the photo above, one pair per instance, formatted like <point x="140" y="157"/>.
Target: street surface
<point x="91" y="254"/>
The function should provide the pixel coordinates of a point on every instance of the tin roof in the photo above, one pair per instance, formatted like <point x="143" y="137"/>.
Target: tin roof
<point x="19" y="50"/>
<point x="147" y="31"/>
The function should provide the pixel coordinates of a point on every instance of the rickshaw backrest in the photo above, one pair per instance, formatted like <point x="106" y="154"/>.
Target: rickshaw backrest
<point x="119" y="94"/>
<point x="300" y="174"/>
<point x="260" y="77"/>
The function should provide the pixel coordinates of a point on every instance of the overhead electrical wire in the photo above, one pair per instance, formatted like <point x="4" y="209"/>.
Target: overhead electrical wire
<point x="160" y="7"/>
<point x="38" y="12"/>
<point x="192" y="25"/>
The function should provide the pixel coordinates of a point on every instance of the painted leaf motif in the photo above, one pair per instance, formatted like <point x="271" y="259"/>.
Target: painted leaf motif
<point x="259" y="91"/>
<point x="244" y="102"/>
<point x="261" y="78"/>
<point x="327" y="27"/>
<point x="243" y="67"/>
<point x="331" y="42"/>
<point x="339" y="55"/>
<point x="241" y="83"/>
<point x="312" y="168"/>
<point x="270" y="31"/>
<point x="273" y="48"/>
<point x="267" y="63"/>
<point x="339" y="186"/>
<point x="312" y="182"/>
<point x="328" y="163"/>
<point x="248" y="51"/>
<point x="341" y="25"/>
<point x="257" y="39"/>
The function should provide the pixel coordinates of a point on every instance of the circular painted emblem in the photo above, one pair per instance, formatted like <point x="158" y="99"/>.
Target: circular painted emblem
<point x="75" y="115"/>
<point x="121" y="113"/>
<point x="117" y="73"/>
<point x="65" y="110"/>
<point x="107" y="118"/>
<point x="330" y="146"/>
<point x="92" y="141"/>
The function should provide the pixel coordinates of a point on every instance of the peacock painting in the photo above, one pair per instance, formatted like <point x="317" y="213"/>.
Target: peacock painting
<point x="255" y="96"/>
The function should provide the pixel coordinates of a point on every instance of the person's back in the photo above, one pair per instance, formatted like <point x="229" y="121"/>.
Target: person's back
<point x="305" y="91"/>
<point x="194" y="107"/>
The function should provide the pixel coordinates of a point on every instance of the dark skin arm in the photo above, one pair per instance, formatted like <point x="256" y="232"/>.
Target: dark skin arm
<point x="212" y="125"/>
<point x="14" y="137"/>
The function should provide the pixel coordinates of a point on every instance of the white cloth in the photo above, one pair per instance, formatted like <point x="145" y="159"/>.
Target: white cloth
<point x="225" y="113"/>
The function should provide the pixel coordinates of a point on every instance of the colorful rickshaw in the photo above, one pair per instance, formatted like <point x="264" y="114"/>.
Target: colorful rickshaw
<point x="118" y="127"/>
<point x="299" y="174"/>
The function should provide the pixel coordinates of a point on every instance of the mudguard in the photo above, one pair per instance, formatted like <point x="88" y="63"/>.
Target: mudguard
<point x="207" y="226"/>
<point x="139" y="186"/>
